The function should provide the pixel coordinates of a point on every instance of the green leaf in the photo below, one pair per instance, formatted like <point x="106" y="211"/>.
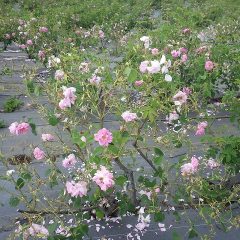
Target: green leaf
<point x="52" y="120"/>
<point x="121" y="180"/>
<point x="26" y="176"/>
<point x="14" y="201"/>
<point x="158" y="152"/>
<point x="176" y="236"/>
<point x="100" y="214"/>
<point x="52" y="227"/>
<point x="158" y="160"/>
<point x="159" y="217"/>
<point x="192" y="233"/>
<point x="20" y="183"/>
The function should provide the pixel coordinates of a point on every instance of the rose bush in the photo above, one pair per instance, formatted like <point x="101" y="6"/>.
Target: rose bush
<point x="166" y="89"/>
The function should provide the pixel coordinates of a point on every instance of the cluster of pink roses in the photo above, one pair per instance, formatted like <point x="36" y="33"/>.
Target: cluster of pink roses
<point x="19" y="128"/>
<point x="190" y="168"/>
<point x="181" y="52"/>
<point x="69" y="97"/>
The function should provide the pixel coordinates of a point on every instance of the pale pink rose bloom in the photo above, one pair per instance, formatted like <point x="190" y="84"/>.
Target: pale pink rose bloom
<point x="195" y="163"/>
<point x="168" y="78"/>
<point x="76" y="189"/>
<point x="138" y="83"/>
<point x="38" y="153"/>
<point x="201" y="49"/>
<point x="104" y="137"/>
<point x="69" y="161"/>
<point x="212" y="164"/>
<point x="180" y="98"/>
<point x="47" y="137"/>
<point x="157" y="190"/>
<point x="95" y="80"/>
<point x="59" y="75"/>
<point x="69" y="93"/>
<point x="22" y="46"/>
<point x="83" y="138"/>
<point x="187" y="90"/>
<point x="29" y="42"/>
<point x="186" y="169"/>
<point x="143" y="66"/>
<point x="22" y="128"/>
<point x="173" y="116"/>
<point x="41" y="55"/>
<point x="128" y="116"/>
<point x="103" y="178"/>
<point x="155" y="67"/>
<point x="186" y="30"/>
<point x="43" y="29"/>
<point x="183" y="50"/>
<point x="201" y="128"/>
<point x="64" y="103"/>
<point x="184" y="58"/>
<point x="36" y="230"/>
<point x="155" y="51"/>
<point x="175" y="53"/>
<point x="209" y="65"/>
<point x="101" y="34"/>
<point x="13" y="128"/>
<point x="146" y="41"/>
<point x="141" y="226"/>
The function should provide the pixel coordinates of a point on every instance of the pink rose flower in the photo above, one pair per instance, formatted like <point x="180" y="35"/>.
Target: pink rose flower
<point x="59" y="75"/>
<point x="155" y="67"/>
<point x="143" y="66"/>
<point x="201" y="49"/>
<point x="190" y="168"/>
<point x="187" y="90"/>
<point x="76" y="189"/>
<point x="29" y="42"/>
<point x="128" y="116"/>
<point x="175" y="53"/>
<point x="38" y="153"/>
<point x="41" y="55"/>
<point x="201" y="128"/>
<point x="186" y="30"/>
<point x="95" y="80"/>
<point x="104" y="137"/>
<point x="19" y="128"/>
<point x="46" y="137"/>
<point x="64" y="103"/>
<point x="138" y="83"/>
<point x="180" y="98"/>
<point x="209" y="65"/>
<point x="35" y="230"/>
<point x="103" y="178"/>
<point x="155" y="51"/>
<point x="183" y="50"/>
<point x="101" y="34"/>
<point x="184" y="58"/>
<point x="173" y="116"/>
<point x="43" y="29"/>
<point x="212" y="164"/>
<point x="69" y="97"/>
<point x="69" y="161"/>
<point x="22" y="46"/>
<point x="146" y="41"/>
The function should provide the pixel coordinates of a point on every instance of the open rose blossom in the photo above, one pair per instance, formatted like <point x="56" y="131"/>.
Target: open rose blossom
<point x="19" y="128"/>
<point x="69" y="97"/>
<point x="180" y="98"/>
<point x="154" y="51"/>
<point x="201" y="128"/>
<point x="138" y="83"/>
<point x="190" y="168"/>
<point x="175" y="53"/>
<point x="35" y="230"/>
<point x="69" y="161"/>
<point x="103" y="178"/>
<point x="209" y="65"/>
<point x="129" y="117"/>
<point x="38" y="153"/>
<point x="146" y="41"/>
<point x="76" y="189"/>
<point x="43" y="29"/>
<point x="59" y="75"/>
<point x="29" y="42"/>
<point x="104" y="137"/>
<point x="46" y="137"/>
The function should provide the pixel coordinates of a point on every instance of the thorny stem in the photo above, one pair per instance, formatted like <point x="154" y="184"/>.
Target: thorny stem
<point x="130" y="176"/>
